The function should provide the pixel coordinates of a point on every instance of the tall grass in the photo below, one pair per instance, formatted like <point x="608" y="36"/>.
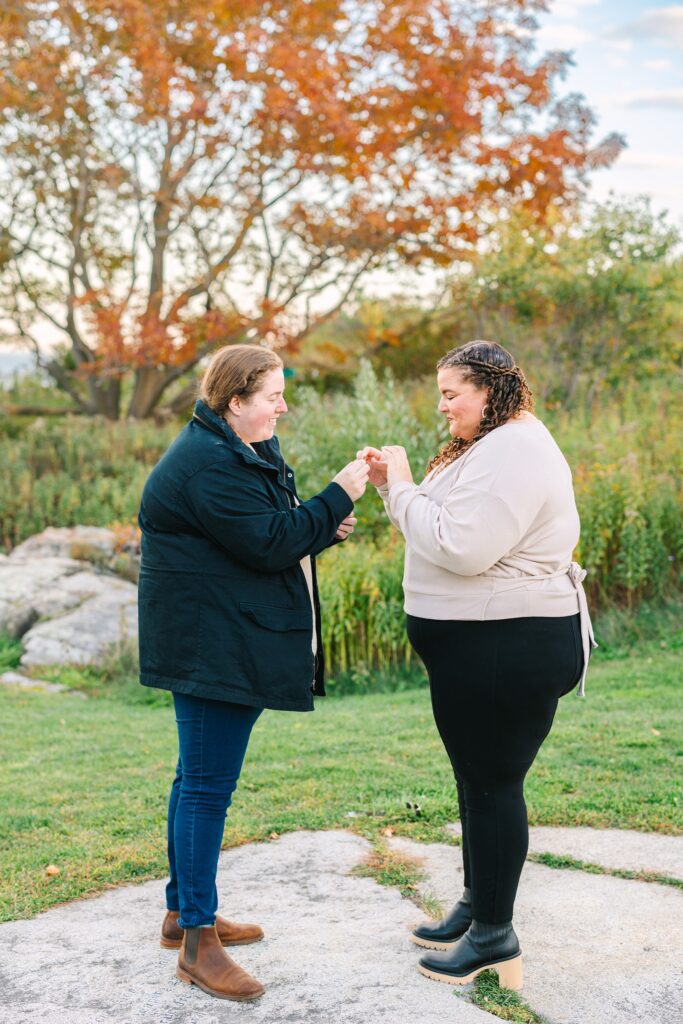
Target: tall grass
<point x="323" y="432"/>
<point x="627" y="461"/>
<point x="625" y="456"/>
<point x="64" y="471"/>
<point x="361" y="593"/>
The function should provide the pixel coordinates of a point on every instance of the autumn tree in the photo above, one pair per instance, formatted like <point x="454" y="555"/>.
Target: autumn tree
<point x="586" y="303"/>
<point x="178" y="175"/>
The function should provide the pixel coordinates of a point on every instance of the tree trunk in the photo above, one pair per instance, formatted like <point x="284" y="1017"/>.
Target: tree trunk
<point x="150" y="384"/>
<point x="106" y="397"/>
<point x="185" y="398"/>
<point x="100" y="398"/>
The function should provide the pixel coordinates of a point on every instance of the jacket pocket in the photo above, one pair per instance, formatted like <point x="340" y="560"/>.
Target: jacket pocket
<point x="280" y="620"/>
<point x="169" y="633"/>
<point x="276" y="654"/>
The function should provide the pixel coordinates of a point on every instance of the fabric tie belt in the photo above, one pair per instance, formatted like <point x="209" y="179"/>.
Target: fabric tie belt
<point x="577" y="575"/>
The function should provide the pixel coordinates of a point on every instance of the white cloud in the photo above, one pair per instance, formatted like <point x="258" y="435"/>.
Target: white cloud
<point x="563" y="36"/>
<point x="663" y="24"/>
<point x="622" y="45"/>
<point x="635" y="161"/>
<point x="662" y="99"/>
<point x="569" y="10"/>
<point x="657" y="65"/>
<point x="615" y="62"/>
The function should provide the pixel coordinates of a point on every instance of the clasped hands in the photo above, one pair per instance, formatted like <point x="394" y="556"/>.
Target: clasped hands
<point x="388" y="465"/>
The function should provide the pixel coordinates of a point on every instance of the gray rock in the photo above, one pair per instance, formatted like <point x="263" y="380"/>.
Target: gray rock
<point x="336" y="949"/>
<point x="16" y="679"/>
<point x="620" y="849"/>
<point x="81" y="542"/>
<point x="21" y="585"/>
<point x="64" y="610"/>
<point x="29" y="683"/>
<point x="85" y="635"/>
<point x="71" y="591"/>
<point x="596" y="948"/>
<point x="67" y="609"/>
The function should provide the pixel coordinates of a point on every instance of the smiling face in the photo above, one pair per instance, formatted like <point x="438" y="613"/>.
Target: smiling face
<point x="254" y="418"/>
<point x="461" y="402"/>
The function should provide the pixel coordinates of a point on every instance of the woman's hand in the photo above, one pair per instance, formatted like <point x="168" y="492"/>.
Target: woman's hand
<point x="353" y="478"/>
<point x="346" y="527"/>
<point x="398" y="467"/>
<point x="376" y="465"/>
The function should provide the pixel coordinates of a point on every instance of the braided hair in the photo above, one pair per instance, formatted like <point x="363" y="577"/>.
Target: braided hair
<point x="486" y="365"/>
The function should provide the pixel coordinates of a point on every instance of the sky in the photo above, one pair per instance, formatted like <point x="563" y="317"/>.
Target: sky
<point x="628" y="63"/>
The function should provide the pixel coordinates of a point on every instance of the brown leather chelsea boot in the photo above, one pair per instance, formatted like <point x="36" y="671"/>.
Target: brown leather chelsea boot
<point x="229" y="933"/>
<point x="203" y="962"/>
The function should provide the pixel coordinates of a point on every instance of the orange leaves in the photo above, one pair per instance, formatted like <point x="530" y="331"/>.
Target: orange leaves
<point x="203" y="151"/>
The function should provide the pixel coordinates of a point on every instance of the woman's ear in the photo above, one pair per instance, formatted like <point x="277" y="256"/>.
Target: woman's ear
<point x="234" y="405"/>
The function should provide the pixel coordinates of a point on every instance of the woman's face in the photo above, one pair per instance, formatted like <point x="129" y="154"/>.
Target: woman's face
<point x="461" y="403"/>
<point x="254" y="418"/>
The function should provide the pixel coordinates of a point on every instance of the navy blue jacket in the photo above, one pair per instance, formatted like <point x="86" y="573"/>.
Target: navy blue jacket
<point x="224" y="609"/>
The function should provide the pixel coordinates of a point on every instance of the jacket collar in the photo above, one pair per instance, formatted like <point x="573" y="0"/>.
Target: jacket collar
<point x="269" y="455"/>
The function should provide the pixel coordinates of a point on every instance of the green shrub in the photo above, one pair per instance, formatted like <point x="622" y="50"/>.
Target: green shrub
<point x="71" y="470"/>
<point x="361" y="592"/>
<point x="323" y="432"/>
<point x="10" y="653"/>
<point x="625" y="457"/>
<point x="628" y="474"/>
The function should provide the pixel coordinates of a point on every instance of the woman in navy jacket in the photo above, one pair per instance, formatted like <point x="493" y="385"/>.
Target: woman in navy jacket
<point x="230" y="623"/>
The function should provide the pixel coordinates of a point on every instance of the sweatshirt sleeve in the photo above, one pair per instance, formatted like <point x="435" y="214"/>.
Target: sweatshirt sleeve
<point x="235" y="512"/>
<point x="484" y="516"/>
<point x="383" y="492"/>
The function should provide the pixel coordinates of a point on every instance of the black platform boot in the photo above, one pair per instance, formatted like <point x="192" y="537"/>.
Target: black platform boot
<point x="482" y="947"/>
<point x="445" y="933"/>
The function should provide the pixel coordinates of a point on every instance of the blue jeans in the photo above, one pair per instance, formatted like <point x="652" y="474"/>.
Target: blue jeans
<point x="212" y="738"/>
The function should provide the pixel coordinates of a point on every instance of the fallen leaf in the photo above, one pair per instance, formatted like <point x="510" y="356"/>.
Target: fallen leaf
<point x="52" y="869"/>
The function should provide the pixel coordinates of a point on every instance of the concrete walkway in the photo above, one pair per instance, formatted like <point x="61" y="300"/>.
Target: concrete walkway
<point x="598" y="949"/>
<point x="611" y="848"/>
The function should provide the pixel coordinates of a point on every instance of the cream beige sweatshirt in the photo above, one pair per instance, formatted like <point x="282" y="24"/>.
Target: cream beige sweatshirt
<point x="491" y="536"/>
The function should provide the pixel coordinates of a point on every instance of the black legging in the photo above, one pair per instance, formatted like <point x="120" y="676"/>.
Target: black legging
<point x="495" y="687"/>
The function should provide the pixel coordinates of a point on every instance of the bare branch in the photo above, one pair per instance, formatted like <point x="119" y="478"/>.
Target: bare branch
<point x="213" y="271"/>
<point x="365" y="266"/>
<point x="274" y="258"/>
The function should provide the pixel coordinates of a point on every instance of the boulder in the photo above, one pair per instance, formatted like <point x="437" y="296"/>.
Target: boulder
<point x="85" y="635"/>
<point x="23" y="582"/>
<point x="71" y="591"/>
<point x="26" y="683"/>
<point x="66" y="609"/>
<point x="88" y="543"/>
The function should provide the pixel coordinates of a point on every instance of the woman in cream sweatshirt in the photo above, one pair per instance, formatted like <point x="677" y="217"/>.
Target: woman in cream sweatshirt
<point x="497" y="613"/>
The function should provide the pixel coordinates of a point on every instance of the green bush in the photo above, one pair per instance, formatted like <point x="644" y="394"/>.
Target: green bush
<point x="361" y="592"/>
<point x="625" y="457"/>
<point x="628" y="475"/>
<point x="323" y="432"/>
<point x="64" y="471"/>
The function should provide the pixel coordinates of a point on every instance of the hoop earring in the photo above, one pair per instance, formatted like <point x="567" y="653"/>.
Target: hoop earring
<point x="484" y="411"/>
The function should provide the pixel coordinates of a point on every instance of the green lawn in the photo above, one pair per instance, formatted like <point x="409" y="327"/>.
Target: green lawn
<point x="83" y="783"/>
